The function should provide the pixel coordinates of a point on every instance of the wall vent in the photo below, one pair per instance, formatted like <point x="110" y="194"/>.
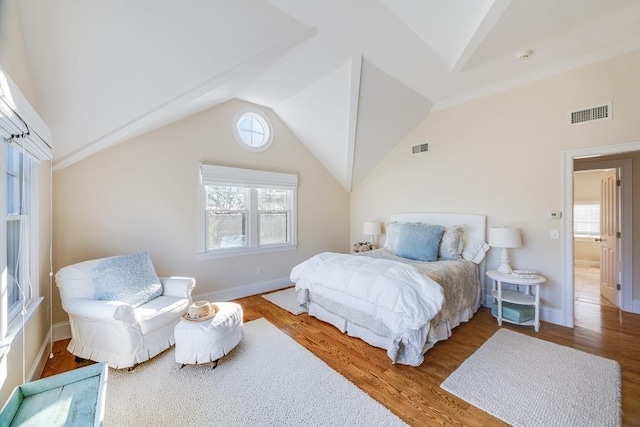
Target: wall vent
<point x="420" y="148"/>
<point x="599" y="112"/>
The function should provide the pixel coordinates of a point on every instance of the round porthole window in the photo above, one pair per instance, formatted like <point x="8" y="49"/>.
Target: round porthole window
<point x="252" y="129"/>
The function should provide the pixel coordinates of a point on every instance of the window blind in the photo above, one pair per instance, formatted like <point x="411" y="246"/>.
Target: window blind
<point x="20" y="124"/>
<point x="586" y="219"/>
<point x="213" y="175"/>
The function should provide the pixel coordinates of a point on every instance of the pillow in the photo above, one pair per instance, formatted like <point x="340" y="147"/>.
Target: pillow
<point x="392" y="230"/>
<point x="452" y="243"/>
<point x="419" y="241"/>
<point x="127" y="278"/>
<point x="474" y="250"/>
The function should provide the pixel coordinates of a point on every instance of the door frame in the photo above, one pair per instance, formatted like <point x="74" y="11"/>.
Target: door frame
<point x="567" y="242"/>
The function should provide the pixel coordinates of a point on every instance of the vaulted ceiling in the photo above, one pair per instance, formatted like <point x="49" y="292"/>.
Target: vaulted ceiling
<point x="349" y="78"/>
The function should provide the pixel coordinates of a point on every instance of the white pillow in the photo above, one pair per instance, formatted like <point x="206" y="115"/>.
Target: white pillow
<point x="392" y="230"/>
<point x="474" y="250"/>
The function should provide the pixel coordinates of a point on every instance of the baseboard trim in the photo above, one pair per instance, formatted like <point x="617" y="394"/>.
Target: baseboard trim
<point x="553" y="316"/>
<point x="41" y="359"/>
<point x="245" y="291"/>
<point x="586" y="263"/>
<point x="61" y="331"/>
<point x="488" y="300"/>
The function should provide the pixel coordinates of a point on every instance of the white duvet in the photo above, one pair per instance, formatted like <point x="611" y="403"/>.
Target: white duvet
<point x="395" y="293"/>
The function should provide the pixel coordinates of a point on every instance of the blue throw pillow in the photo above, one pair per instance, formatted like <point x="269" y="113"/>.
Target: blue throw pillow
<point x="127" y="278"/>
<point x="419" y="241"/>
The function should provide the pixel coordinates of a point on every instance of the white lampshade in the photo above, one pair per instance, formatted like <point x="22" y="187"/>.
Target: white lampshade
<point x="372" y="229"/>
<point x="501" y="237"/>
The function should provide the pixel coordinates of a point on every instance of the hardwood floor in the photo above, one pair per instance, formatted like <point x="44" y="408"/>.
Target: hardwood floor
<point x="587" y="285"/>
<point x="414" y="394"/>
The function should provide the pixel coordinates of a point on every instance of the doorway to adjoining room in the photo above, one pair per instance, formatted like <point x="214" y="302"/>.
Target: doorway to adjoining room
<point x="595" y="219"/>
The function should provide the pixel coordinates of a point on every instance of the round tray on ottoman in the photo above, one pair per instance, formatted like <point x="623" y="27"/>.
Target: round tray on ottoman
<point x="208" y="340"/>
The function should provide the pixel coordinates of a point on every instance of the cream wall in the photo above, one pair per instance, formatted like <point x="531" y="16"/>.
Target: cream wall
<point x="142" y="196"/>
<point x="12" y="50"/>
<point x="14" y="60"/>
<point x="502" y="155"/>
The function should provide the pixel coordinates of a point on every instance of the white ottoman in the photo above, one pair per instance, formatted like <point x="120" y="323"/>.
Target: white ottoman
<point x="208" y="341"/>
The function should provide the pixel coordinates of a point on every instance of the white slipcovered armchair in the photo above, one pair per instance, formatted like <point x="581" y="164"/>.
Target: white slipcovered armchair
<point x="121" y="333"/>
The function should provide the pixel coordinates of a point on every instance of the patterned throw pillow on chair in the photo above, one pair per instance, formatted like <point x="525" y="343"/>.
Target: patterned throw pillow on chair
<point x="127" y="278"/>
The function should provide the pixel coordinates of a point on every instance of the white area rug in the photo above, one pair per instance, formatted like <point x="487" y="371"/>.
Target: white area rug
<point x="267" y="380"/>
<point x="525" y="381"/>
<point x="285" y="299"/>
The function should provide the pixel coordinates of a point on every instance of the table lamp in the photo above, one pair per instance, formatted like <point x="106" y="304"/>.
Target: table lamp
<point x="505" y="238"/>
<point x="372" y="229"/>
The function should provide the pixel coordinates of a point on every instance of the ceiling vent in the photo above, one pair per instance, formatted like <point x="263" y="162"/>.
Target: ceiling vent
<point x="421" y="148"/>
<point x="599" y="112"/>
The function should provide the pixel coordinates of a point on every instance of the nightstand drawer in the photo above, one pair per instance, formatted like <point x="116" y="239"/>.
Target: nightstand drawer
<point x="514" y="312"/>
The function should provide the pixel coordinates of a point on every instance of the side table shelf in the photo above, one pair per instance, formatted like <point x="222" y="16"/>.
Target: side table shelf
<point x="525" y="298"/>
<point x="515" y="297"/>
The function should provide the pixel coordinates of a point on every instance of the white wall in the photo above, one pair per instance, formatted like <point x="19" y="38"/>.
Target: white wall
<point x="502" y="156"/>
<point x="141" y="195"/>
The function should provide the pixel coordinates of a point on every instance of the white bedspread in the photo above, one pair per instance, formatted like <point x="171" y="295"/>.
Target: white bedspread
<point x="395" y="293"/>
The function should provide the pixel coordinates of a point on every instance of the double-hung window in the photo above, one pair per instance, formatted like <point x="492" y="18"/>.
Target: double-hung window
<point x="20" y="173"/>
<point x="19" y="231"/>
<point x="245" y="211"/>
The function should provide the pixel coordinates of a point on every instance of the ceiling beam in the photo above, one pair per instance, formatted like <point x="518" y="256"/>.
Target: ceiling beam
<point x="354" y="101"/>
<point x="488" y="22"/>
<point x="212" y="91"/>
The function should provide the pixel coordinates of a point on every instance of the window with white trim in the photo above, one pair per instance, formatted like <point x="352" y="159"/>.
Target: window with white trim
<point x="252" y="129"/>
<point x="245" y="211"/>
<point x="586" y="220"/>
<point x="19" y="230"/>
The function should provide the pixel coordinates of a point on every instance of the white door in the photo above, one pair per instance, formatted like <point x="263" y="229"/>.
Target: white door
<point x="608" y="236"/>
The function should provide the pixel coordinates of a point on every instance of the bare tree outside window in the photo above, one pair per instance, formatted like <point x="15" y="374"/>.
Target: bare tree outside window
<point x="273" y="211"/>
<point x="226" y="217"/>
<point x="245" y="211"/>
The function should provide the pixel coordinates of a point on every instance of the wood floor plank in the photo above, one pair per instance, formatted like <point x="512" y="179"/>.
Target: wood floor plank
<point x="414" y="393"/>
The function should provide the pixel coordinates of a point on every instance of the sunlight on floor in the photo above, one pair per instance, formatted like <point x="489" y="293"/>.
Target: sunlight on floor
<point x="590" y="307"/>
<point x="587" y="286"/>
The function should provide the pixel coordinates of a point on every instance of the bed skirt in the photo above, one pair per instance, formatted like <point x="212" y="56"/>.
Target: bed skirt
<point x="373" y="332"/>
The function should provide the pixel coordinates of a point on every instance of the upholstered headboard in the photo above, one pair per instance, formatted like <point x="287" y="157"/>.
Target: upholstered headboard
<point x="477" y="223"/>
<point x="477" y="228"/>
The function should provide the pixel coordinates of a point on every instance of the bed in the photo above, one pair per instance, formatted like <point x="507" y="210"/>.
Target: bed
<point x="399" y="304"/>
